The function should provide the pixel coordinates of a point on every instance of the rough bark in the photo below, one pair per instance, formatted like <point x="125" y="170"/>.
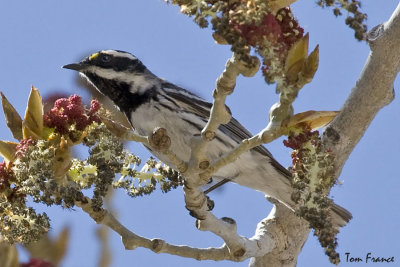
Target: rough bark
<point x="372" y="91"/>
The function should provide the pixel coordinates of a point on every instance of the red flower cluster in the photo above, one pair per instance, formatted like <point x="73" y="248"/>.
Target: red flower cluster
<point x="281" y="28"/>
<point x="254" y="34"/>
<point x="291" y="30"/>
<point x="36" y="263"/>
<point x="70" y="111"/>
<point x="23" y="145"/>
<point x="296" y="141"/>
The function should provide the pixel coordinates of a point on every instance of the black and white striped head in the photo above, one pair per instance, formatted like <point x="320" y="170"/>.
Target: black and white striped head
<point x="120" y="76"/>
<point x="109" y="64"/>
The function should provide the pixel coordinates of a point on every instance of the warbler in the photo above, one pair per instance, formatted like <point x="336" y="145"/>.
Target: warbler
<point x="149" y="102"/>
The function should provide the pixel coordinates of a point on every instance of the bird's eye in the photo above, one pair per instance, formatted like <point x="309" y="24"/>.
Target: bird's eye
<point x="106" y="58"/>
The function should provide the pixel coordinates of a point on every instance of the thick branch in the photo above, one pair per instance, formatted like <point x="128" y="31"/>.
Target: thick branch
<point x="282" y="233"/>
<point x="289" y="232"/>
<point x="373" y="90"/>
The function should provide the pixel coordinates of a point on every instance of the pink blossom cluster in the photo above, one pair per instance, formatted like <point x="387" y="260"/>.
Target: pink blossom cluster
<point x="23" y="145"/>
<point x="254" y="34"/>
<point x="296" y="141"/>
<point x="70" y="111"/>
<point x="281" y="28"/>
<point x="291" y="30"/>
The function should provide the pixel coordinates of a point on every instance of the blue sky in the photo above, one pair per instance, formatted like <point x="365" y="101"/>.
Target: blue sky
<point x="37" y="37"/>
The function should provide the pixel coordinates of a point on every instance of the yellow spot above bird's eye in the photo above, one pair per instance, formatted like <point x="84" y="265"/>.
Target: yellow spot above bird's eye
<point x="94" y="56"/>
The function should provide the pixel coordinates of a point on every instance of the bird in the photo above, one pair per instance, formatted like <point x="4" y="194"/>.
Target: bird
<point x="149" y="102"/>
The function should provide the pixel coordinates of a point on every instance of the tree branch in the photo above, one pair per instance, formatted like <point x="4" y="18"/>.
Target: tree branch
<point x="131" y="240"/>
<point x="372" y="91"/>
<point x="281" y="227"/>
<point x="289" y="232"/>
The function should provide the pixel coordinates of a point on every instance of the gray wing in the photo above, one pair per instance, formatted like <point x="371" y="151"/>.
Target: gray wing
<point x="196" y="105"/>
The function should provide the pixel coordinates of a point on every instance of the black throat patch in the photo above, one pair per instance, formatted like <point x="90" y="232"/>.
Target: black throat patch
<point x="120" y="94"/>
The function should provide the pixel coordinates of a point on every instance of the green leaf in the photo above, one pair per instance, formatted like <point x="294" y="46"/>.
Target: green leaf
<point x="8" y="149"/>
<point x="13" y="120"/>
<point x="314" y="119"/>
<point x="311" y="65"/>
<point x="275" y="5"/>
<point x="33" y="120"/>
<point x="295" y="59"/>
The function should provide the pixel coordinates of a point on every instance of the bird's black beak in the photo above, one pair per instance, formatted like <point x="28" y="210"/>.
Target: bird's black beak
<point x="75" y="66"/>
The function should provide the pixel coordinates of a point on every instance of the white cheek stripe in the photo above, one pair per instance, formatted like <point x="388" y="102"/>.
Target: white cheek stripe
<point x="139" y="82"/>
<point x="110" y="74"/>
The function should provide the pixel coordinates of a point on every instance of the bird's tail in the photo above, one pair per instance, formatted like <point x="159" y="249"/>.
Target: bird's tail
<point x="340" y="216"/>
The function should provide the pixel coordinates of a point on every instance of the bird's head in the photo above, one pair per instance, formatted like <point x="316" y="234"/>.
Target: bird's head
<point x="109" y="64"/>
<point x="118" y="75"/>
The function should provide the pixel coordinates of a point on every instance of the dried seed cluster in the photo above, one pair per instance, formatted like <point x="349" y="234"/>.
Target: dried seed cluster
<point x="313" y="174"/>
<point x="18" y="223"/>
<point x="152" y="172"/>
<point x="355" y="18"/>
